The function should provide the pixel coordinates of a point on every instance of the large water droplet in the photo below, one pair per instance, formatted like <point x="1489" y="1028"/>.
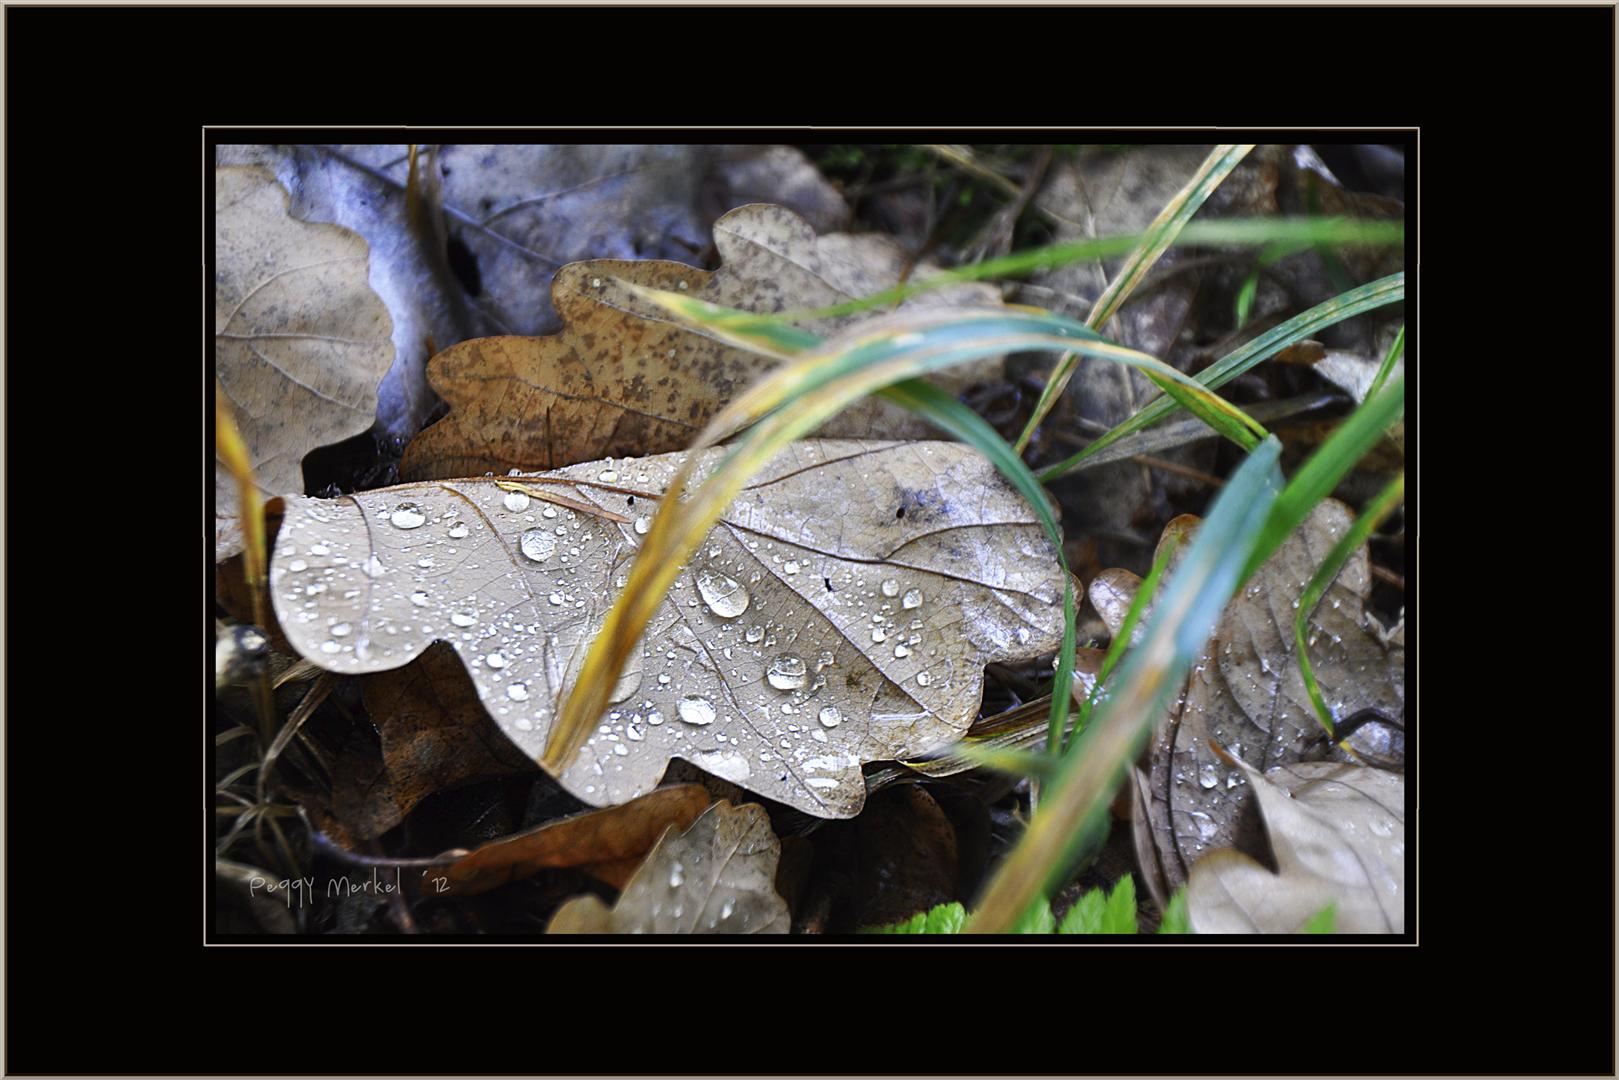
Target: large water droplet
<point x="725" y="596"/>
<point x="516" y="501"/>
<point x="923" y="678"/>
<point x="342" y="629"/>
<point x="495" y="659"/>
<point x="830" y="716"/>
<point x="890" y="587"/>
<point x="1208" y="776"/>
<point x="726" y="764"/>
<point x="464" y="618"/>
<point x="537" y="545"/>
<point x="297" y="566"/>
<point x="696" y="710"/>
<point x="459" y="531"/>
<point x="787" y="672"/>
<point x="789" y="567"/>
<point x="677" y="876"/>
<point x="654" y="718"/>
<point x="517" y="692"/>
<point x="407" y="516"/>
<point x="900" y="652"/>
<point x="419" y="599"/>
<point x="913" y="598"/>
<point x="642" y="525"/>
<point x="754" y="634"/>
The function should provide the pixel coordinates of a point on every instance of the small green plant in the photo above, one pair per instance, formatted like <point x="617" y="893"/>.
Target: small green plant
<point x="1094" y="913"/>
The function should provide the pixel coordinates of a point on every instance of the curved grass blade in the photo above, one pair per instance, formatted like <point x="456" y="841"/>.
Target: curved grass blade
<point x="1376" y="294"/>
<point x="1121" y="640"/>
<point x="1356" y="535"/>
<point x="1173" y="218"/>
<point x="1184" y="617"/>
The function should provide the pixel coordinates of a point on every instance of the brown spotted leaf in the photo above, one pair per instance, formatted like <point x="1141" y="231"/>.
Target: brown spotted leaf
<point x="616" y="835"/>
<point x="300" y="340"/>
<point x="717" y="877"/>
<point x="842" y="611"/>
<point x="623" y="378"/>
<point x="1247" y="694"/>
<point x="1337" y="833"/>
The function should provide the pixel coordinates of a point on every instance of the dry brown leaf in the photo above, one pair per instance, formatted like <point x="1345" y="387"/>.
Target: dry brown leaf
<point x="1338" y="835"/>
<point x="300" y="340"/>
<point x="622" y="378"/>
<point x="717" y="877"/>
<point x="841" y="613"/>
<point x="1247" y="693"/>
<point x="615" y="836"/>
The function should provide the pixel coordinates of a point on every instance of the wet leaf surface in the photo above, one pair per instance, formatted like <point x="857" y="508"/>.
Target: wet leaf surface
<point x="618" y="836"/>
<point x="300" y="340"/>
<point x="1337" y="833"/>
<point x="717" y="877"/>
<point x="623" y="378"/>
<point x="1247" y="694"/>
<point x="842" y="612"/>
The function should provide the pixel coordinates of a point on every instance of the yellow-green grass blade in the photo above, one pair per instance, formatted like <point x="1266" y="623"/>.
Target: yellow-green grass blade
<point x="1171" y="220"/>
<point x="820" y="383"/>
<point x="1376" y="294"/>
<point x="1226" y="232"/>
<point x="1379" y="508"/>
<point x="1182" y="620"/>
<point x="1121" y="640"/>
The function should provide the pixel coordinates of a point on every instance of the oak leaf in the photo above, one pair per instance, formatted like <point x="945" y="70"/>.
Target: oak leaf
<point x="717" y="877"/>
<point x="842" y="611"/>
<point x="623" y="378"/>
<point x="300" y="340"/>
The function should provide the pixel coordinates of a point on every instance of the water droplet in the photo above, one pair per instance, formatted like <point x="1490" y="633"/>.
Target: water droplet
<point x="677" y="875"/>
<point x="725" y="596"/>
<point x="407" y="516"/>
<point x="923" y="678"/>
<point x="1233" y="780"/>
<point x="608" y="476"/>
<point x="726" y="764"/>
<point x="1381" y="826"/>
<point x="754" y="634"/>
<point x="419" y="599"/>
<point x="654" y="718"/>
<point x="297" y="566"/>
<point x="517" y="691"/>
<point x="728" y="907"/>
<point x="830" y="716"/>
<point x="459" y="531"/>
<point x="1208" y="776"/>
<point x="495" y="660"/>
<point x="696" y="710"/>
<point x="878" y="634"/>
<point x="557" y="599"/>
<point x="913" y="598"/>
<point x="786" y="672"/>
<point x="789" y="567"/>
<point x="464" y="618"/>
<point x="642" y="525"/>
<point x="516" y="501"/>
<point x="620" y="749"/>
<point x="342" y="629"/>
<point x="537" y="545"/>
<point x="890" y="587"/>
<point x="329" y="647"/>
<point x="373" y="567"/>
<point x="319" y="549"/>
<point x="900" y="652"/>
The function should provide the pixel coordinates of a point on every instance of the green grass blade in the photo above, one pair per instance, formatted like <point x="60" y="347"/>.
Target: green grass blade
<point x="1182" y="621"/>
<point x="1322" y="471"/>
<point x="1376" y="294"/>
<point x="1169" y="223"/>
<point x="1356" y="535"/>
<point x="1389" y="361"/>
<point x="1121" y="640"/>
<point x="1227" y="232"/>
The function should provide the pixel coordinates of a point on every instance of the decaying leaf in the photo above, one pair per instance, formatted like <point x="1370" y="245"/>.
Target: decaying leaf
<point x="615" y="836"/>
<point x="717" y="877"/>
<point x="501" y="219"/>
<point x="1338" y="835"/>
<point x="300" y="340"/>
<point x="842" y="612"/>
<point x="1247" y="694"/>
<point x="623" y="378"/>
